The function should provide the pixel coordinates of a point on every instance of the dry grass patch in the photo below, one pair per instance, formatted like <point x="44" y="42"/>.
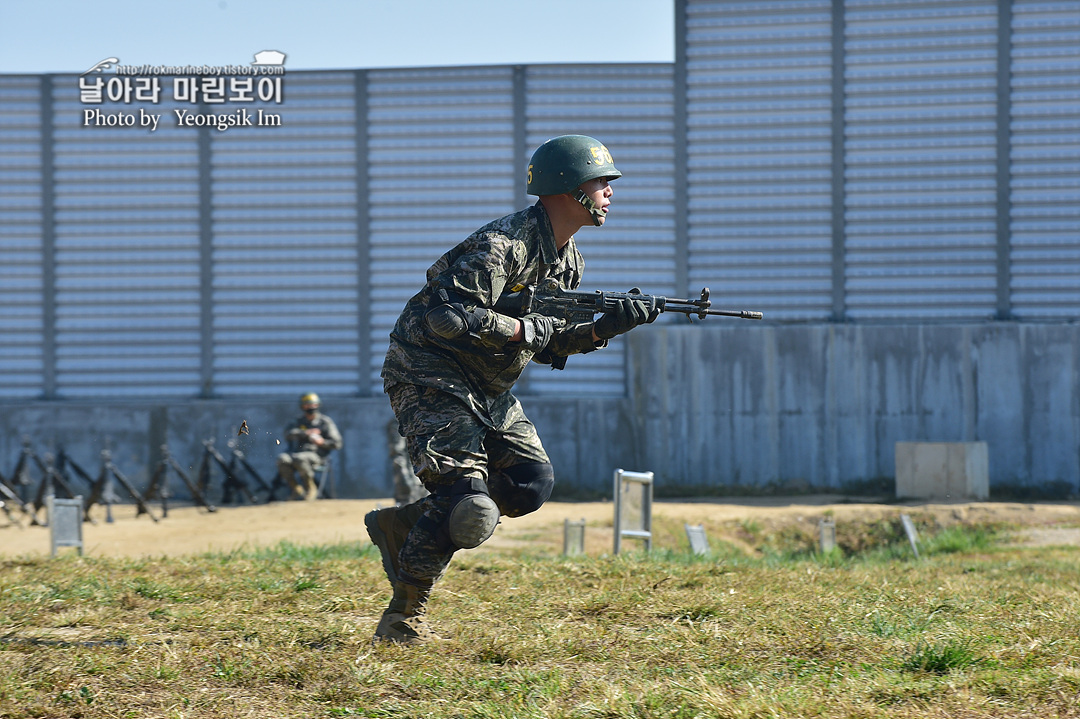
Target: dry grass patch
<point x="975" y="629"/>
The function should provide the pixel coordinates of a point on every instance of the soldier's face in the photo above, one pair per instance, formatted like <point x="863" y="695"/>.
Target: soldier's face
<point x="310" y="408"/>
<point x="600" y="192"/>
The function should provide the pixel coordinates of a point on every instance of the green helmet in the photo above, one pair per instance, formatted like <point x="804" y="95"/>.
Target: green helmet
<point x="562" y="163"/>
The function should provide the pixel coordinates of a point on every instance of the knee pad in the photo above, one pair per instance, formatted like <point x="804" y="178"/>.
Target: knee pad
<point x="472" y="520"/>
<point x="523" y="488"/>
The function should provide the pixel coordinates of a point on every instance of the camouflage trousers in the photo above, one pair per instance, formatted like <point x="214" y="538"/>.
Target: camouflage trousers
<point x="446" y="443"/>
<point x="302" y="463"/>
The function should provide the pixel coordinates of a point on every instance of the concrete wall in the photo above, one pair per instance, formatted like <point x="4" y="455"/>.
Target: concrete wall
<point x="824" y="405"/>
<point x="587" y="438"/>
<point x="715" y="403"/>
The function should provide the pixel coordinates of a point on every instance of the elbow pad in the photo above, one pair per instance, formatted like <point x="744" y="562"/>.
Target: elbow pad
<point x="452" y="320"/>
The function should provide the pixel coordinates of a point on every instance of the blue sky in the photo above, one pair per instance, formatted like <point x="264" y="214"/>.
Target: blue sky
<point x="72" y="35"/>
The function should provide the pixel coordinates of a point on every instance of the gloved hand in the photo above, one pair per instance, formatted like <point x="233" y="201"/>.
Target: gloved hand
<point x="537" y="331"/>
<point x="473" y="320"/>
<point x="629" y="314"/>
<point x="452" y="320"/>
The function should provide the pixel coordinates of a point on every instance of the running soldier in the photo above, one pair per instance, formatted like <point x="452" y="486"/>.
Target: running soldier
<point x="452" y="364"/>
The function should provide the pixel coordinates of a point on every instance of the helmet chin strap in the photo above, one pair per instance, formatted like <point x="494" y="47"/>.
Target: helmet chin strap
<point x="595" y="212"/>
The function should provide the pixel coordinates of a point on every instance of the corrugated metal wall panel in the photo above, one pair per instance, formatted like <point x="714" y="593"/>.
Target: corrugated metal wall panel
<point x="1046" y="160"/>
<point x="283" y="244"/>
<point x="21" y="300"/>
<point x="759" y="104"/>
<point x="127" y="252"/>
<point x="630" y="109"/>
<point x="285" y="300"/>
<point x="920" y="156"/>
<point x="441" y="165"/>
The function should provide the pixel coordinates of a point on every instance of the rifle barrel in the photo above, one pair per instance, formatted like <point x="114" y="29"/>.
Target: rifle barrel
<point x="744" y="314"/>
<point x="693" y="309"/>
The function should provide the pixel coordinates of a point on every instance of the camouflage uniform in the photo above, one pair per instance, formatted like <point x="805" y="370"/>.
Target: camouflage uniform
<point x="452" y="398"/>
<point x="511" y="252"/>
<point x="304" y="456"/>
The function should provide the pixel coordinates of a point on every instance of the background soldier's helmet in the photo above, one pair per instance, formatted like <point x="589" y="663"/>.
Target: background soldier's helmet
<point x="562" y="163"/>
<point x="309" y="399"/>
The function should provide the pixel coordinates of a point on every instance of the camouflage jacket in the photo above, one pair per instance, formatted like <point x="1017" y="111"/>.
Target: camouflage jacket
<point x="297" y="436"/>
<point x="502" y="256"/>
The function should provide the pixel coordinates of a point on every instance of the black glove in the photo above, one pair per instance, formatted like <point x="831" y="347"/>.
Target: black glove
<point x="629" y="314"/>
<point x="451" y="321"/>
<point x="537" y="331"/>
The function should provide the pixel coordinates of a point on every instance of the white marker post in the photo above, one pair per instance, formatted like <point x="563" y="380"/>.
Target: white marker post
<point x="573" y="537"/>
<point x="633" y="507"/>
<point x="827" y="535"/>
<point x="912" y="535"/>
<point x="699" y="543"/>
<point x="65" y="522"/>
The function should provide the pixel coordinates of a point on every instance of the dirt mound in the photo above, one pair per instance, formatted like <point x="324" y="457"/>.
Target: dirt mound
<point x="190" y="530"/>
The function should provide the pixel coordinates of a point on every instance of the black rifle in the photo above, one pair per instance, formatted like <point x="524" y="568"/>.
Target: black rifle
<point x="233" y="481"/>
<point x="7" y="494"/>
<point x="65" y="462"/>
<point x="159" y="483"/>
<point x="549" y="299"/>
<point x="239" y="456"/>
<point x="109" y="469"/>
<point x="51" y="478"/>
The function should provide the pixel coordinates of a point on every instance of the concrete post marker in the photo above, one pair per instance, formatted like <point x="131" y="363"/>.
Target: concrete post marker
<point x="699" y="543"/>
<point x="827" y="535"/>
<point x="573" y="537"/>
<point x="65" y="523"/>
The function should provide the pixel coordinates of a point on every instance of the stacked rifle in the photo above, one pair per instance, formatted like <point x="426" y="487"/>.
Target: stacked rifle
<point x="36" y="476"/>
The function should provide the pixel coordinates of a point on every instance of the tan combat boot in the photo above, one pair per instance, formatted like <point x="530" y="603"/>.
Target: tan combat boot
<point x="388" y="529"/>
<point x="312" y="492"/>
<point x="297" y="490"/>
<point x="404" y="621"/>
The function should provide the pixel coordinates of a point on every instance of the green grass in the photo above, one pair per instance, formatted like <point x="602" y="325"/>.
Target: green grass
<point x="941" y="657"/>
<point x="973" y="629"/>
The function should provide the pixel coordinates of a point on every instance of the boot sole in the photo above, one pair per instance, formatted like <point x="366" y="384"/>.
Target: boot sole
<point x="386" y="634"/>
<point x="378" y="538"/>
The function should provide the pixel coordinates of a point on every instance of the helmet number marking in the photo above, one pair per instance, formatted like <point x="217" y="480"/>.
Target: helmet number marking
<point x="530" y="173"/>
<point x="601" y="155"/>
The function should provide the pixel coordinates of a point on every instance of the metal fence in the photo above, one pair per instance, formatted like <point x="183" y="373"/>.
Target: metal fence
<point x="819" y="160"/>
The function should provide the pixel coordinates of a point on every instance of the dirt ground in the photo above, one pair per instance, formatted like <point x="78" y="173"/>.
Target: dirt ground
<point x="190" y="530"/>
